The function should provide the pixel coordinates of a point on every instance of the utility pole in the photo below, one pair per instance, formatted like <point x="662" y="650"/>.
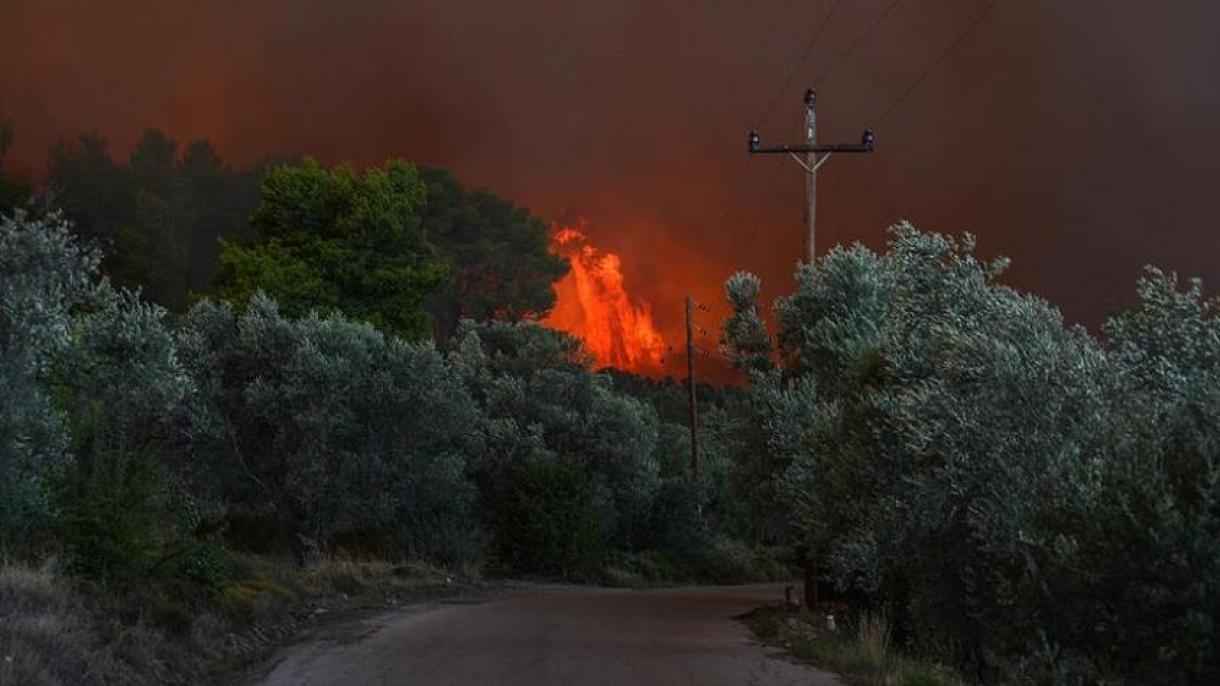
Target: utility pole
<point x="690" y="387"/>
<point x="811" y="156"/>
<point x="806" y="154"/>
<point x="811" y="178"/>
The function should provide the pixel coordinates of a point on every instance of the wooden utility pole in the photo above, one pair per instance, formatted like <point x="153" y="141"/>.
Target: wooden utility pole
<point x="811" y="157"/>
<point x="811" y="179"/>
<point x="807" y="155"/>
<point x="690" y="386"/>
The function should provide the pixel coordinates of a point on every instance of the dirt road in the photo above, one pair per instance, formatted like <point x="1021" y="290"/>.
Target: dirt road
<point x="546" y="635"/>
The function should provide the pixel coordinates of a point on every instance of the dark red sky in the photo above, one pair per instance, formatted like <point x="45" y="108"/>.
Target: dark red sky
<point x="1077" y="137"/>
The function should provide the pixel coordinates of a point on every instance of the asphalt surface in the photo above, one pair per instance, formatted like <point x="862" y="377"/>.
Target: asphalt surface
<point x="539" y="636"/>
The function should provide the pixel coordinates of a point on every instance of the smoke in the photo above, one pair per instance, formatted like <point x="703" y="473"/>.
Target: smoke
<point x="1076" y="137"/>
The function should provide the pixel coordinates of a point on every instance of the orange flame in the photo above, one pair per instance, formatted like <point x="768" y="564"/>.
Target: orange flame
<point x="593" y="304"/>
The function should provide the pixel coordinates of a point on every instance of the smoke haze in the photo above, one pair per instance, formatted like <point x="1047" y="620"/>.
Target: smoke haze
<point x="1077" y="138"/>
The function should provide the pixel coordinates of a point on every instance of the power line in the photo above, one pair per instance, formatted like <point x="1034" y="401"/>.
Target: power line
<point x="898" y="102"/>
<point x="809" y="47"/>
<point x="745" y="244"/>
<point x="915" y="85"/>
<point x="859" y="39"/>
<point x="936" y="63"/>
<point x="744" y="177"/>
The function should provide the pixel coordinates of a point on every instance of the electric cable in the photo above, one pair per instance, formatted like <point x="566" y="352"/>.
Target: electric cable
<point x="856" y="43"/>
<point x="936" y="63"/>
<point x="809" y="48"/>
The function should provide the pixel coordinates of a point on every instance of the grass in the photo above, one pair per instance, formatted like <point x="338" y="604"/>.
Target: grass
<point x="863" y="654"/>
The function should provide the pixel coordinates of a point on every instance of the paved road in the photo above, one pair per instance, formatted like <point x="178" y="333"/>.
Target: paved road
<point x="546" y="635"/>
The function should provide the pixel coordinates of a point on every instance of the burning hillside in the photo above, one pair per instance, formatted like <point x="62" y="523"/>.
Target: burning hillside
<point x="593" y="304"/>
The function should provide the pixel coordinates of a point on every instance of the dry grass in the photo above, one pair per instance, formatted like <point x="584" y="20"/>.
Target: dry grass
<point x="52" y="634"/>
<point x="340" y="580"/>
<point x="873" y="643"/>
<point x="47" y="637"/>
<point x="863" y="654"/>
<point x="282" y="603"/>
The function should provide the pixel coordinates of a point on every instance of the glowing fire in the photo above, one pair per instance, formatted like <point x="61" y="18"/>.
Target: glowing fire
<point x="594" y="305"/>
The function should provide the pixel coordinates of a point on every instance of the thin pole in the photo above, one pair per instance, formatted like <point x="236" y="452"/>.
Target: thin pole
<point x="811" y="256"/>
<point x="811" y="177"/>
<point x="811" y="581"/>
<point x="690" y="387"/>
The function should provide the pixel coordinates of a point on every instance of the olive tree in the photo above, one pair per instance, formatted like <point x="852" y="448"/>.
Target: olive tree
<point x="536" y="388"/>
<point x="329" y="429"/>
<point x="1010" y="490"/>
<point x="44" y="273"/>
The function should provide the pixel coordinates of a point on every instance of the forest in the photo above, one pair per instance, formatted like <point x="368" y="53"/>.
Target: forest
<point x="206" y="368"/>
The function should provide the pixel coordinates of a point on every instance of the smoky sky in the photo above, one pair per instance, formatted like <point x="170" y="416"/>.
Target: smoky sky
<point x="1078" y="138"/>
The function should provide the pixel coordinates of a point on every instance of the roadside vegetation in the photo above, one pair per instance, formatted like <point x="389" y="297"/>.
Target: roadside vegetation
<point x="1022" y="500"/>
<point x="232" y="398"/>
<point x="861" y="651"/>
<point x="187" y="473"/>
<point x="59" y="629"/>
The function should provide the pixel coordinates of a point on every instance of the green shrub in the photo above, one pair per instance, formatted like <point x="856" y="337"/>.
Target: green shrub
<point x="108" y="524"/>
<point x="676" y="516"/>
<point x="120" y="388"/>
<point x="548" y="521"/>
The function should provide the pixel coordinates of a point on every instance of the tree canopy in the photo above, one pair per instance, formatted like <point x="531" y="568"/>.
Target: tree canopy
<point x="338" y="240"/>
<point x="404" y="248"/>
<point x="158" y="215"/>
<point x="499" y="263"/>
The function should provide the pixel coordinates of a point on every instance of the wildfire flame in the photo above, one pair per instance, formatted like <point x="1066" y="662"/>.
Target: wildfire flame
<point x="593" y="304"/>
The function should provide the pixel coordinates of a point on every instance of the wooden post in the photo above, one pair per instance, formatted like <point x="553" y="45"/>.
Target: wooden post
<point x="811" y="177"/>
<point x="811" y="582"/>
<point x="690" y="386"/>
